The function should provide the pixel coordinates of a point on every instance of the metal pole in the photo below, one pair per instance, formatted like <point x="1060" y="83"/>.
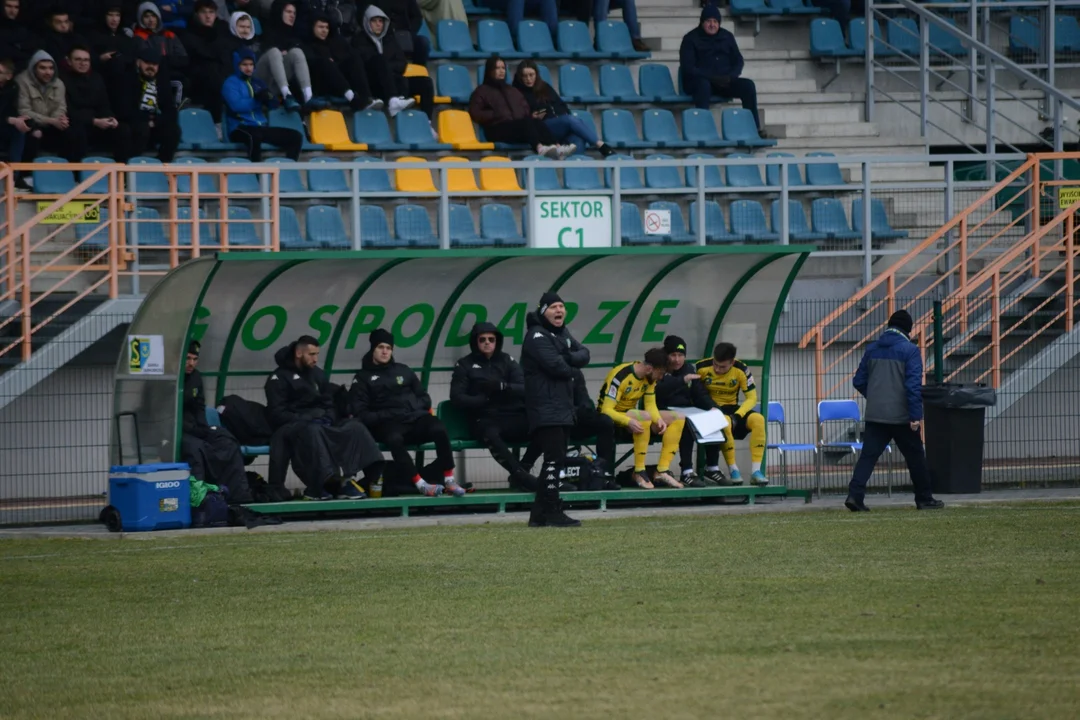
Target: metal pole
<point x="1049" y="47"/>
<point x="700" y="172"/>
<point x="354" y="205"/>
<point x="939" y="344"/>
<point x="867" y="243"/>
<point x="991" y="147"/>
<point x="973" y="64"/>
<point x="784" y="190"/>
<point x="924" y="74"/>
<point x="871" y="23"/>
<point x="444" y="209"/>
<point x="950" y="282"/>
<point x="616" y="203"/>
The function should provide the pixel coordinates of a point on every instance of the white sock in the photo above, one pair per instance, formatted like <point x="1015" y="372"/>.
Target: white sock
<point x="687" y="471"/>
<point x="307" y="94"/>
<point x="755" y="467"/>
<point x="733" y="468"/>
<point x="713" y="468"/>
<point x="349" y="95"/>
<point x="285" y="91"/>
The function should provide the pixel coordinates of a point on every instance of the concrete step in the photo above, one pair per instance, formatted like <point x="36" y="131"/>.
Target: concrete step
<point x="823" y="113"/>
<point x="831" y="130"/>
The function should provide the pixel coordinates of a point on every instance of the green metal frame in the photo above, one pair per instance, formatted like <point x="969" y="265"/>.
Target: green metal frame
<point x="183" y="358"/>
<point x="346" y="311"/>
<point x="635" y="310"/>
<point x="729" y="300"/>
<point x="572" y="271"/>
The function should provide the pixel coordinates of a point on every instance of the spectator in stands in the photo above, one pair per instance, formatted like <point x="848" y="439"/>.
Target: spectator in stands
<point x="173" y="57"/>
<point x="245" y="120"/>
<point x="16" y="40"/>
<point x="601" y="8"/>
<point x="242" y="29"/>
<point x="890" y="377"/>
<point x="146" y="107"/>
<point x="626" y="386"/>
<point x="15" y="127"/>
<point x="549" y="356"/>
<point x="682" y="388"/>
<point x="839" y="10"/>
<point x="504" y="114"/>
<point x="710" y="63"/>
<point x="336" y="69"/>
<point x="212" y="452"/>
<point x="388" y="398"/>
<point x="546" y="105"/>
<point x="405" y="20"/>
<point x="209" y="47"/>
<point x="436" y="10"/>
<point x="546" y="10"/>
<point x="92" y="120"/>
<point x="328" y="453"/>
<point x="489" y="386"/>
<point x="385" y="64"/>
<point x="725" y="378"/>
<point x="59" y="36"/>
<point x="282" y="60"/>
<point x="341" y="14"/>
<point x="113" y="49"/>
<point x="42" y="100"/>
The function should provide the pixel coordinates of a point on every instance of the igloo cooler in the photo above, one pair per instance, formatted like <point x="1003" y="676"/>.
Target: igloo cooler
<point x="151" y="497"/>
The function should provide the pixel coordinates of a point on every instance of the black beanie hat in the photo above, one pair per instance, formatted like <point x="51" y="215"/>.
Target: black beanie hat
<point x="901" y="320"/>
<point x="194" y="348"/>
<point x="547" y="300"/>
<point x="380" y="336"/>
<point x="674" y="343"/>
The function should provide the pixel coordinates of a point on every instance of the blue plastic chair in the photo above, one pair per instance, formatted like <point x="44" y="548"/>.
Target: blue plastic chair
<point x="827" y="40"/>
<point x="633" y="232"/>
<point x="575" y="41"/>
<point x="903" y="36"/>
<point x="659" y="128"/>
<point x="207" y="183"/>
<point x="586" y="117"/>
<point x="413" y="226"/>
<point x="739" y="127"/>
<point x="374" y="229"/>
<point x="462" y="229"/>
<point x="613" y="40"/>
<point x="84" y="232"/>
<point x="748" y="222"/>
<point x="699" y="129"/>
<point x="715" y="227"/>
<point x="370" y="127"/>
<point x="846" y="412"/>
<point x="775" y="415"/>
<point x="576" y="84"/>
<point x="534" y="40"/>
<point x="325" y="227"/>
<point x="750" y="7"/>
<point x="678" y="235"/>
<point x="629" y="177"/>
<point x="798" y="229"/>
<point x="144" y="183"/>
<point x="655" y="85"/>
<point x="582" y="178"/>
<point x="1066" y="34"/>
<point x="546" y="178"/>
<point x="772" y="172"/>
<point x="828" y="217"/>
<point x="101" y="187"/>
<point x="454" y="40"/>
<point x="414" y="131"/>
<point x="374" y="181"/>
<point x="147" y="229"/>
<point x="713" y="177"/>
<point x="880" y="227"/>
<point x="453" y="82"/>
<point x="493" y="38"/>
<point x="240" y="183"/>
<point x="185" y="231"/>
<point x="823" y="173"/>
<point x="663" y="177"/>
<point x="289" y="235"/>
<point x="943" y="44"/>
<point x="1025" y="36"/>
<point x="791" y="7"/>
<point x="857" y="34"/>
<point x="289" y="179"/>
<point x="279" y="117"/>
<point x="743" y="175"/>
<point x="619" y="130"/>
<point x="332" y="180"/>
<point x="197" y="132"/>
<point x="617" y="84"/>
<point x="52" y="182"/>
<point x="241" y="232"/>
<point x="498" y="225"/>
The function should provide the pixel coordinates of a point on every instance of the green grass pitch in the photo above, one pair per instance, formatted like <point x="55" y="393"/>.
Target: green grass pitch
<point x="965" y="613"/>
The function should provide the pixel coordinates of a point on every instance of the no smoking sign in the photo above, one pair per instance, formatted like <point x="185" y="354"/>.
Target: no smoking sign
<point x="657" y="222"/>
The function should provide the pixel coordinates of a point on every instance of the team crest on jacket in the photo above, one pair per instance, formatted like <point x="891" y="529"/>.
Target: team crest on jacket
<point x="400" y="380"/>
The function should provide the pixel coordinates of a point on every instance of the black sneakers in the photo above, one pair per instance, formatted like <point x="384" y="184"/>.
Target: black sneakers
<point x="855" y="505"/>
<point x="931" y="504"/>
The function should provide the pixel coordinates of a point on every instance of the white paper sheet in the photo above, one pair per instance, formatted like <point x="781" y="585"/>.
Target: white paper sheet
<point x="708" y="425"/>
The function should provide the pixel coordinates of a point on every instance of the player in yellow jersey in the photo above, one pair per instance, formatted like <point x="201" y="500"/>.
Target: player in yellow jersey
<point x="624" y="388"/>
<point x="726" y="378"/>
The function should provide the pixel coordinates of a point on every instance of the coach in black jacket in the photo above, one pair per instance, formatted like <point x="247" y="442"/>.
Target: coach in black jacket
<point x="681" y="387"/>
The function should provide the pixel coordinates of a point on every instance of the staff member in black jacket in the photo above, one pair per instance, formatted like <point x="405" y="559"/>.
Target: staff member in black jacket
<point x="388" y="397"/>
<point x="549" y="356"/>
<point x="682" y="387"/>
<point x="327" y="453"/>
<point x="212" y="452"/>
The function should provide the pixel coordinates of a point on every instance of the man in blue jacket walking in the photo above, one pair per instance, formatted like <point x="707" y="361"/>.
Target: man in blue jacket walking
<point x="245" y="98"/>
<point x="890" y="378"/>
<point x="711" y="64"/>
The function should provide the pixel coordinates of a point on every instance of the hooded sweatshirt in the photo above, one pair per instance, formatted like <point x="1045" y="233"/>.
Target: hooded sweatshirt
<point x="293" y="394"/>
<point x="173" y="55"/>
<point x="376" y="38"/>
<point x="369" y="44"/>
<point x="103" y="40"/>
<point x="41" y="102"/>
<point x="276" y="34"/>
<point x="487" y="388"/>
<point x="387" y="393"/>
<point x="239" y="93"/>
<point x="251" y="41"/>
<point x="209" y="49"/>
<point x="706" y="56"/>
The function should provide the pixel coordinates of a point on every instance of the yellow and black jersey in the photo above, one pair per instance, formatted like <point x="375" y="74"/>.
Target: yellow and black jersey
<point x="725" y="389"/>
<point x="623" y="390"/>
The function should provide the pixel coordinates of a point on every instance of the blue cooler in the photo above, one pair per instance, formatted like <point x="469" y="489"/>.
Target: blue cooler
<point x="151" y="497"/>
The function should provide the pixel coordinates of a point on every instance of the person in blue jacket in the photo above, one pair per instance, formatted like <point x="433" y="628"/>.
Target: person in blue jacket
<point x="246" y="98"/>
<point x="890" y="378"/>
<point x="711" y="64"/>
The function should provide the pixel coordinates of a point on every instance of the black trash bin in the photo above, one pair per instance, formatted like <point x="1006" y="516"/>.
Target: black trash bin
<point x="954" y="416"/>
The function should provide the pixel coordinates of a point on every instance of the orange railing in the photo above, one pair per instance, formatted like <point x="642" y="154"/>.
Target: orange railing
<point x="50" y="256"/>
<point x="1012" y="242"/>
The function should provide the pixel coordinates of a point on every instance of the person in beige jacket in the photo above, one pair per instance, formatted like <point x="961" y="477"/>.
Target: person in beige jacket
<point x="42" y="99"/>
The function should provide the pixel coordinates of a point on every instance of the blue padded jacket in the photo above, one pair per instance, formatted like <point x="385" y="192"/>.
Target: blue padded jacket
<point x="238" y="92"/>
<point x="890" y="378"/>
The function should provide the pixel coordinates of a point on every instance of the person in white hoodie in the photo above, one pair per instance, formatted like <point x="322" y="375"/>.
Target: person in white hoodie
<point x="385" y="64"/>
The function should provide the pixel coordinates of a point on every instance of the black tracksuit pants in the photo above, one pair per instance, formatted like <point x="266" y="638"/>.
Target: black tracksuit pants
<point x="876" y="437"/>
<point x="427" y="428"/>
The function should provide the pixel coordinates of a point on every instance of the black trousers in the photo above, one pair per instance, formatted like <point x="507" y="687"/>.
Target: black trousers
<point x="588" y="424"/>
<point x="321" y="453"/>
<point x="203" y="86"/>
<point x="552" y="443"/>
<point x="60" y="142"/>
<point x="216" y="459"/>
<point x="743" y="89"/>
<point x="426" y="428"/>
<point x="876" y="437"/>
<point x="385" y="84"/>
<point x="141" y="137"/>
<point x="529" y="131"/>
<point x="253" y="136"/>
<point x="497" y="433"/>
<point x="686" y="448"/>
<point x="329" y="78"/>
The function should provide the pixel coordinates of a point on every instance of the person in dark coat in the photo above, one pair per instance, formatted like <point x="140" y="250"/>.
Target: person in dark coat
<point x="328" y="453"/>
<point x="405" y="18"/>
<point x="209" y="48"/>
<point x="212" y="452"/>
<point x="336" y="69"/>
<point x="711" y="64"/>
<point x="890" y="378"/>
<point x="146" y="106"/>
<point x="547" y="105"/>
<point x="385" y="64"/>
<point x="89" y="110"/>
<point x="283" y="61"/>
<point x="682" y="388"/>
<point x="388" y="398"/>
<point x="490" y="387"/>
<point x="59" y="36"/>
<point x="549" y="355"/>
<point x="113" y="50"/>
<point x="14" y="129"/>
<point x="17" y="42"/>
<point x="504" y="114"/>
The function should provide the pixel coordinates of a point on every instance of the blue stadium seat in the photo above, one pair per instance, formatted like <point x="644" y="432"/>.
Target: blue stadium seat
<point x="715" y="228"/>
<point x="534" y="40"/>
<point x="857" y="34"/>
<point x="750" y="7"/>
<point x="798" y="229"/>
<point x="748" y="222"/>
<point x="617" y="84"/>
<point x="903" y="36"/>
<point x="497" y="225"/>
<point x="374" y="229"/>
<point x="827" y="40"/>
<point x="613" y="40"/>
<point x="371" y="128"/>
<point x="240" y="183"/>
<point x="880" y="227"/>
<point x="633" y="232"/>
<point x="655" y="85"/>
<point x="197" y="132"/>
<point x="772" y="172"/>
<point x="412" y="226"/>
<point x="84" y="232"/>
<point x="1024" y="35"/>
<point x="144" y="183"/>
<point x="146" y="228"/>
<point x="575" y="41"/>
<point x="743" y="175"/>
<point x="325" y="228"/>
<point x="828" y="217"/>
<point x="462" y="229"/>
<point x="414" y="131"/>
<point x="629" y="177"/>
<point x="824" y="173"/>
<point x="453" y="82"/>
<point x="454" y="41"/>
<point x="328" y="181"/>
<point x="101" y="187"/>
<point x="699" y="129"/>
<point x="659" y="128"/>
<point x="546" y="178"/>
<point x="184" y="230"/>
<point x="678" y="235"/>
<point x="738" y="126"/>
<point x="52" y="182"/>
<point x="472" y="8"/>
<point x="586" y="117"/>
<point x="374" y="180"/>
<point x="1066" y="34"/>
<point x="713" y="176"/>
<point x="289" y="179"/>
<point x="289" y="235"/>
<point x="207" y="183"/>
<point x="576" y="85"/>
<point x="279" y="117"/>
<point x="791" y="7"/>
<point x="493" y="38"/>
<point x="943" y="44"/>
<point x="241" y="232"/>
<point x="620" y="130"/>
<point x="582" y="178"/>
<point x="661" y="177"/>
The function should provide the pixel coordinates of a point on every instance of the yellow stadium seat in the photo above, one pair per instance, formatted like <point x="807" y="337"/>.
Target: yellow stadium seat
<point x="421" y="71"/>
<point x="417" y="181"/>
<point x="502" y="179"/>
<point x="328" y="128"/>
<point x="456" y="128"/>
<point x="462" y="180"/>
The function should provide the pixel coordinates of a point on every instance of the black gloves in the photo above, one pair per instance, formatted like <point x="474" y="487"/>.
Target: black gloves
<point x="264" y="96"/>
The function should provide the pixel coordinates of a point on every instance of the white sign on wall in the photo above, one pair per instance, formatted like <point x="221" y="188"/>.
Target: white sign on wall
<point x="570" y="221"/>
<point x="657" y="222"/>
<point x="146" y="355"/>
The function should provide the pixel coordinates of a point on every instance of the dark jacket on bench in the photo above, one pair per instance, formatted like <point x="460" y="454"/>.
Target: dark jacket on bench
<point x="674" y="390"/>
<point x="293" y="395"/>
<point x="488" y="388"/>
<point x="195" y="406"/>
<point x="387" y="393"/>
<point x="548" y="358"/>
